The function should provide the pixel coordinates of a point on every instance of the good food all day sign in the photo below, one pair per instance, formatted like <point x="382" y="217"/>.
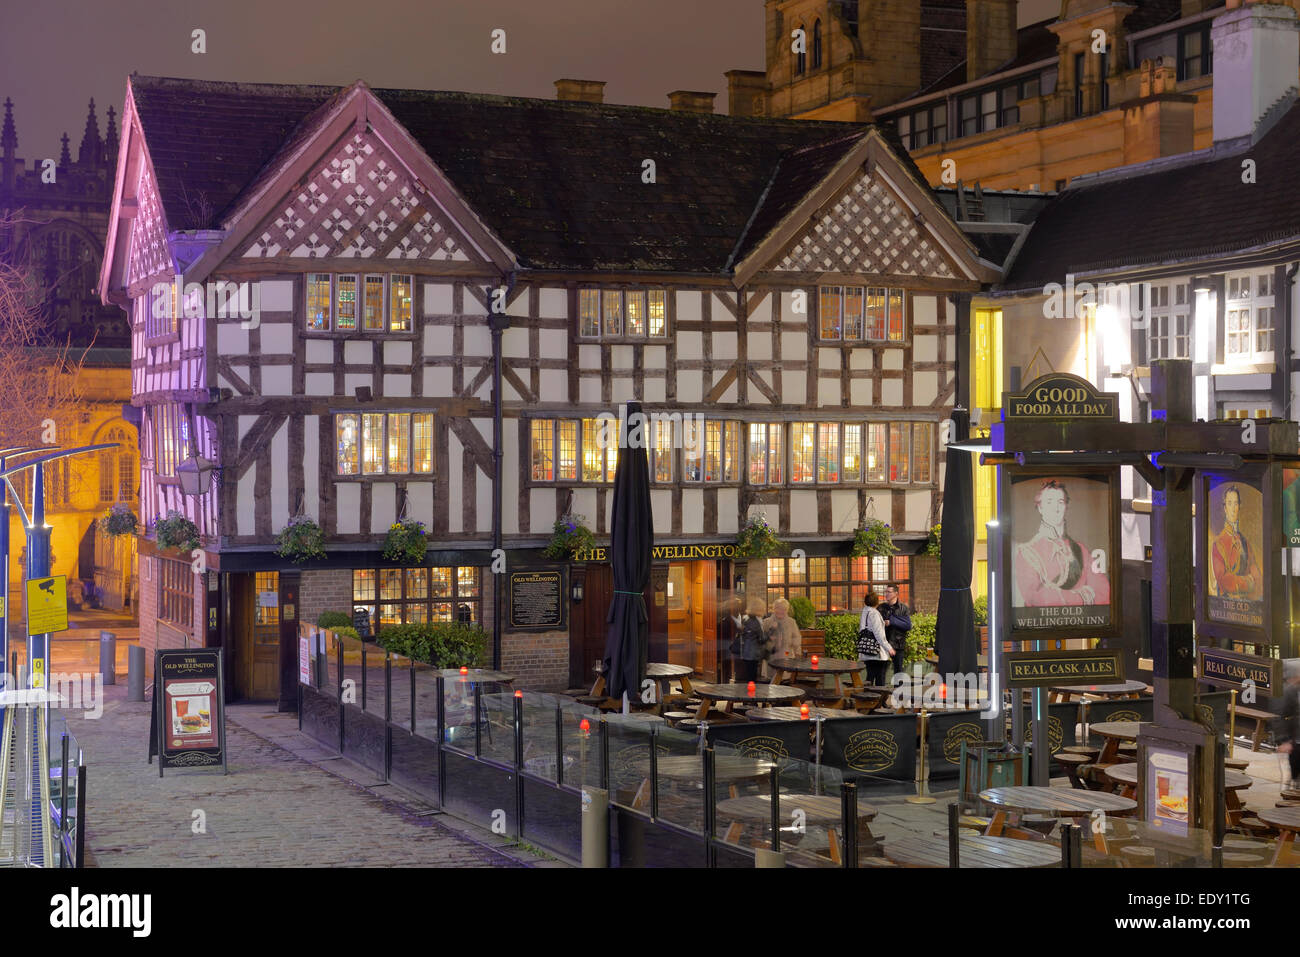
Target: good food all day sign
<point x="1062" y="396"/>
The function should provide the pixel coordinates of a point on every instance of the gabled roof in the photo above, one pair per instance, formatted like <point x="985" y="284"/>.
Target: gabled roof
<point x="560" y="183"/>
<point x="1167" y="211"/>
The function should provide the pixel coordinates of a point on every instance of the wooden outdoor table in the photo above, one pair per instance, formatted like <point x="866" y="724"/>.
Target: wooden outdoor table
<point x="1114" y="732"/>
<point x="1061" y="802"/>
<point x="728" y="769"/>
<point x="1124" y="689"/>
<point x="784" y="669"/>
<point x="974" y="850"/>
<point x="1286" y="820"/>
<point x="793" y="714"/>
<point x="661" y="672"/>
<point x="733" y="693"/>
<point x="817" y="809"/>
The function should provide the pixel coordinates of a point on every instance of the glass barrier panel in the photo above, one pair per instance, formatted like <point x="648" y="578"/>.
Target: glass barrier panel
<point x="742" y="796"/>
<point x="681" y="778"/>
<point x="811" y="816"/>
<point x="1112" y="841"/>
<point x="330" y="645"/>
<point x="426" y="699"/>
<point x="401" y="691"/>
<point x="497" y="722"/>
<point x="352" y="673"/>
<point x="540" y="747"/>
<point x="629" y="762"/>
<point x="580" y="745"/>
<point x="376" y="690"/>
<point x="458" y="713"/>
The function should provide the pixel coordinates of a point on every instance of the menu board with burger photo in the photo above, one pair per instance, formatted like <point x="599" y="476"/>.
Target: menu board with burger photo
<point x="188" y="726"/>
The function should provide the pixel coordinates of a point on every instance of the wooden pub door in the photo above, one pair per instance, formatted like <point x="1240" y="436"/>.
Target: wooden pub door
<point x="256" y="627"/>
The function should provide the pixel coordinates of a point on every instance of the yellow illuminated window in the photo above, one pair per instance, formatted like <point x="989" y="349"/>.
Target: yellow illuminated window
<point x="589" y="312"/>
<point x="803" y="451"/>
<point x="568" y="451"/>
<point x="399" y="442"/>
<point x="635" y="313"/>
<point x="852" y="453"/>
<point x="374" y="306"/>
<point x="828" y="451"/>
<point x="346" y="291"/>
<point x="399" y="304"/>
<point x="543" y="450"/>
<point x="422" y="441"/>
<point x="372" y="444"/>
<point x="658" y="311"/>
<point x="318" y="301"/>
<point x="986" y="343"/>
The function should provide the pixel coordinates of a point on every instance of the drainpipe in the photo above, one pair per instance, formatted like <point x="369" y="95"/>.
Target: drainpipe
<point x="497" y="323"/>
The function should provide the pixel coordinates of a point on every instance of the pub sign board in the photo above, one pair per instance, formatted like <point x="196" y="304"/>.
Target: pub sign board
<point x="1063" y="551"/>
<point x="537" y="599"/>
<point x="1050" y="669"/>
<point x="1060" y="396"/>
<point x="1231" y="669"/>
<point x="187" y="727"/>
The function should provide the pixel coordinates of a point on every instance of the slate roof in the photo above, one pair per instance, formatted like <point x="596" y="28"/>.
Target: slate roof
<point x="1167" y="212"/>
<point x="559" y="182"/>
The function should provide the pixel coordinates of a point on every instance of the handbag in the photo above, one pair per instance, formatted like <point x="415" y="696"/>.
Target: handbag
<point x="868" y="644"/>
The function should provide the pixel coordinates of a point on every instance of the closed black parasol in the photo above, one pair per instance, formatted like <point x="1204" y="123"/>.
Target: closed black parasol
<point x="631" y="538"/>
<point x="955" y="637"/>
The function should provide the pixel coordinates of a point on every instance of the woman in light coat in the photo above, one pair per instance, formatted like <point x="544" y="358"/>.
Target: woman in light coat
<point x="783" y="631"/>
<point x="870" y="622"/>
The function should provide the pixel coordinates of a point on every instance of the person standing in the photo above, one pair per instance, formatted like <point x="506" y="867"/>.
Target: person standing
<point x="783" y="632"/>
<point x="729" y="628"/>
<point x="898" y="622"/>
<point x="873" y="648"/>
<point x="1287" y="724"/>
<point x="753" y="643"/>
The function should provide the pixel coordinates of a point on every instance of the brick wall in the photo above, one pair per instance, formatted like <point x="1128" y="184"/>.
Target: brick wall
<point x="925" y="582"/>
<point x="155" y="634"/>
<point x="327" y="590"/>
<point x="538" y="660"/>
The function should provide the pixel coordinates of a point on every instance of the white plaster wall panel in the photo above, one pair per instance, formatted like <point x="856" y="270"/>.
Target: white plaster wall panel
<point x="829" y="359"/>
<point x="860" y="359"/>
<point x="690" y="385"/>
<point x="476" y="339"/>
<point x="553" y="303"/>
<point x="244" y="516"/>
<point x="514" y="343"/>
<point x="541" y="510"/>
<point x="728" y="514"/>
<point x="925" y="348"/>
<point x="654" y="357"/>
<point x="509" y="478"/>
<point x="828" y="391"/>
<point x="622" y="389"/>
<point x="724" y="345"/>
<point x="589" y="357"/>
<point x="383" y="507"/>
<point x="794" y="345"/>
<point x="952" y="347"/>
<point x="437" y="299"/>
<point x="277" y="380"/>
<point x="358" y="353"/>
<point x="348" y="497"/>
<point x="692" y="511"/>
<point x="397" y="386"/>
<point x="311" y="452"/>
<point x="794" y="382"/>
<point x="397" y="353"/>
<point x="231" y="340"/>
<point x="276" y="295"/>
<point x="770" y="513"/>
<point x="760" y="310"/>
<point x="319" y="351"/>
<point x="803" y="511"/>
<point x="688" y="306"/>
<point x="552" y="344"/>
<point x="584" y="504"/>
<point x="729" y="394"/>
<point x="419" y="502"/>
<point x="455" y="487"/>
<point x="554" y="385"/>
<point x="860" y="392"/>
<point x="354" y="379"/>
<point x="892" y="359"/>
<point x="518" y="309"/>
<point x="661" y="508"/>
<point x="654" y="389"/>
<point x="759" y="345"/>
<point x="690" y="345"/>
<point x="844" y="510"/>
<point x="437" y="380"/>
<point x="891" y="392"/>
<point x="483" y="485"/>
<point x="620" y="357"/>
<point x="588" y="388"/>
<point x="917" y="510"/>
<point x="276" y="337"/>
<point x="925" y="310"/>
<point x="438" y="340"/>
<point x="238" y="368"/>
<point x="925" y="387"/>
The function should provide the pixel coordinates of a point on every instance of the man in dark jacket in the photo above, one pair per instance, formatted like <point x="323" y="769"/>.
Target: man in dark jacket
<point x="1286" y="726"/>
<point x="898" y="622"/>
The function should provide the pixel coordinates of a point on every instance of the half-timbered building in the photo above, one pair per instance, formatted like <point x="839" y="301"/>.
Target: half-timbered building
<point x="449" y="290"/>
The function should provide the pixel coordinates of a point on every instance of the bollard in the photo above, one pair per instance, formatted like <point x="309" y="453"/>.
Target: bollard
<point x="134" y="673"/>
<point x="108" y="657"/>
<point x="595" y="827"/>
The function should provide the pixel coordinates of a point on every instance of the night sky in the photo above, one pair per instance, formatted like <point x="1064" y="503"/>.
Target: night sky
<point x="56" y="54"/>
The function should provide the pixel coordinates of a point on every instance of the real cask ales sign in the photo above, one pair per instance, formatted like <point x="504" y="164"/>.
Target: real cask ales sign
<point x="1232" y="669"/>
<point x="1050" y="669"/>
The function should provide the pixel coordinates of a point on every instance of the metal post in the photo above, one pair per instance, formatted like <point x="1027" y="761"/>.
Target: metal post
<point x="81" y="811"/>
<point x="1071" y="851"/>
<point x="604" y="754"/>
<point x="440" y="712"/>
<point x="519" y="764"/>
<point x="38" y="566"/>
<point x="849" y="821"/>
<point x="997" y="730"/>
<point x="774" y="793"/>
<point x="478" y="728"/>
<point x="595" y="827"/>
<point x="410" y="670"/>
<point x="1040" y="769"/>
<point x="63" y="788"/>
<point x="559" y="746"/>
<point x="364" y="669"/>
<point x="654" y="774"/>
<point x="954" y="835"/>
<point x="710" y="807"/>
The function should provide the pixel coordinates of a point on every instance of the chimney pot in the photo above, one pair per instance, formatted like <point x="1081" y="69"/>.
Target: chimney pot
<point x="691" y="101"/>
<point x="1255" y="46"/>
<point x="580" y="91"/>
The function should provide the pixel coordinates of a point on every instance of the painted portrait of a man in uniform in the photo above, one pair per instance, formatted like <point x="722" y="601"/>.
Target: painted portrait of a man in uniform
<point x="1237" y="573"/>
<point x="1054" y="567"/>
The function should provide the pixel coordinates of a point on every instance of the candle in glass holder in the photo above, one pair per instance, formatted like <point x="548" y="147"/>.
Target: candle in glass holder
<point x="803" y="711"/>
<point x="750" y="689"/>
<point x="815" y="659"/>
<point x="464" y="670"/>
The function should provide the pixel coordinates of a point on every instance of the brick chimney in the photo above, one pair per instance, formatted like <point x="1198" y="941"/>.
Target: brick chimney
<point x="580" y="91"/>
<point x="991" y="36"/>
<point x="746" y="92"/>
<point x="691" y="101"/>
<point x="1256" y="47"/>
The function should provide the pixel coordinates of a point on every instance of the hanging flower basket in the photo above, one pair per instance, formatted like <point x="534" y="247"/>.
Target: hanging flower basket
<point x="301" y="540"/>
<point x="176" y="531"/>
<point x="406" y="543"/>
<point x="757" y="539"/>
<point x="120" y="520"/>
<point x="935" y="541"/>
<point x="569" y="536"/>
<point x="873" y="538"/>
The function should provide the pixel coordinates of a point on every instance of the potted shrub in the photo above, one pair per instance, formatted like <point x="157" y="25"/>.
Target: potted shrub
<point x="331" y="620"/>
<point x="406" y="542"/>
<point x="443" y="644"/>
<point x="840" y="635"/>
<point x="176" y="531"/>
<point x="873" y="538"/>
<point x="805" y="616"/>
<point x="982" y="622"/>
<point x="301" y="540"/>
<point x="120" y="520"/>
<point x="757" y="539"/>
<point x="569" y="536"/>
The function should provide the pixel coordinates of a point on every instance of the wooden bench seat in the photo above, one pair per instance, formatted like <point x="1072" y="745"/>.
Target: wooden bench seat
<point x="1263" y="721"/>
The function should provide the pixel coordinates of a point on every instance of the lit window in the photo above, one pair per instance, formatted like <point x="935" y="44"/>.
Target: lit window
<point x="346" y="299"/>
<point x="318" y="301"/>
<point x="422" y="441"/>
<point x="829" y="309"/>
<point x="828" y="452"/>
<point x="875" y="313"/>
<point x="895" y="315"/>
<point x="399" y="442"/>
<point x="543" y="450"/>
<point x="922" y="451"/>
<point x="372" y="444"/>
<point x="852" y="453"/>
<point x="658" y="311"/>
<point x="589" y="312"/>
<point x="853" y="312"/>
<point x="399" y="304"/>
<point x="877" y="452"/>
<point x="899" y="451"/>
<point x="618" y="314"/>
<point x="662" y="450"/>
<point x="803" y="451"/>
<point x="1248" y="318"/>
<point x="374" y="304"/>
<point x="635" y="313"/>
<point x="568" y="450"/>
<point x="611" y="307"/>
<point x="599" y="450"/>
<point x="732" y="442"/>
<point x="347" y="430"/>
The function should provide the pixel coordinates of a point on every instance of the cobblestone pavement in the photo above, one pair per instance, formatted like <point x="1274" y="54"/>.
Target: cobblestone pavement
<point x="274" y="808"/>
